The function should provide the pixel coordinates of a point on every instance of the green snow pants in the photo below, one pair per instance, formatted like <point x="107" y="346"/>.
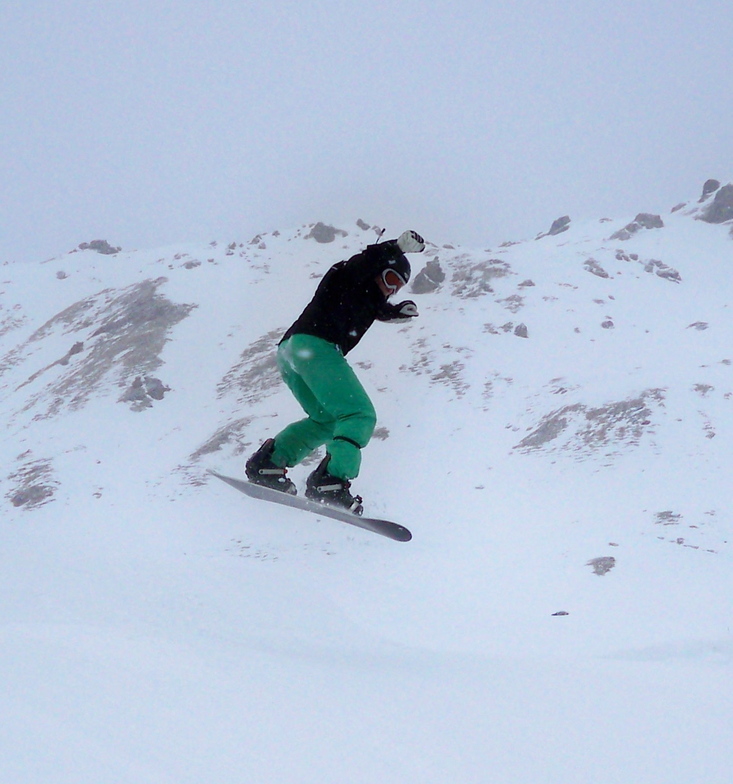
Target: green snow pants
<point x="340" y="413"/>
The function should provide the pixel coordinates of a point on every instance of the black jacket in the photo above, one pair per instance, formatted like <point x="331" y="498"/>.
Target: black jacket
<point x="348" y="298"/>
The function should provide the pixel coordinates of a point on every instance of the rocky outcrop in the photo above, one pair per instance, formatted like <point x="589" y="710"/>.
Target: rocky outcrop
<point x="34" y="483"/>
<point x="583" y="430"/>
<point x="662" y="270"/>
<point x="471" y="279"/>
<point x="124" y="332"/>
<point x="429" y="278"/>
<point x="602" y="565"/>
<point x="101" y="246"/>
<point x="255" y="375"/>
<point x="143" y="391"/>
<point x="592" y="266"/>
<point x="320" y="232"/>
<point x="644" y="220"/>
<point x="720" y="209"/>
<point x="558" y="227"/>
<point x="708" y="188"/>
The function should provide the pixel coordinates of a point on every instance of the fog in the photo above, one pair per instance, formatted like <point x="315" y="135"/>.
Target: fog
<point x="147" y="122"/>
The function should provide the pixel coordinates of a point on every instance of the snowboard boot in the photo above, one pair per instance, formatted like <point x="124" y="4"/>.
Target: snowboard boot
<point x="327" y="489"/>
<point x="261" y="470"/>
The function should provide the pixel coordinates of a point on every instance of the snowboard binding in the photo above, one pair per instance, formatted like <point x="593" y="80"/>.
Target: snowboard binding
<point x="328" y="489"/>
<point x="260" y="470"/>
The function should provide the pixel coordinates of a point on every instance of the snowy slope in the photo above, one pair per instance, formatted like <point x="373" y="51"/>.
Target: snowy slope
<point x="555" y="429"/>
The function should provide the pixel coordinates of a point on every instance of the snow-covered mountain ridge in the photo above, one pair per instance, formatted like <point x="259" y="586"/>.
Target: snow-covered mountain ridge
<point x="611" y="320"/>
<point x="554" y="428"/>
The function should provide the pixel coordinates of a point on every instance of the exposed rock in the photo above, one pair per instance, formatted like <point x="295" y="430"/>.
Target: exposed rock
<point x="9" y="322"/>
<point x="230" y="433"/>
<point x="668" y="517"/>
<point x="101" y="246"/>
<point x="324" y="234"/>
<point x="136" y="394"/>
<point x="662" y="270"/>
<point x="591" y="265"/>
<point x="155" y="388"/>
<point x="143" y="391"/>
<point x="451" y="375"/>
<point x="34" y="483"/>
<point x="622" y="234"/>
<point x="33" y="496"/>
<point x="602" y="565"/>
<point x="588" y="430"/>
<point x="703" y="389"/>
<point x="558" y="227"/>
<point x="648" y="221"/>
<point x="255" y="375"/>
<point x="720" y="209"/>
<point x="130" y="328"/>
<point x="77" y="348"/>
<point x="644" y="220"/>
<point x="474" y="280"/>
<point x="425" y="361"/>
<point x="709" y="187"/>
<point x="513" y="303"/>
<point x="429" y="278"/>
<point x="520" y="330"/>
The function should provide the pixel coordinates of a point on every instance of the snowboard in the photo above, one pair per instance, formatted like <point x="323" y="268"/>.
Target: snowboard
<point x="384" y="527"/>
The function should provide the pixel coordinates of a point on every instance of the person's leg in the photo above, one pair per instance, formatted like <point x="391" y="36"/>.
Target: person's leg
<point x="295" y="442"/>
<point x="340" y="411"/>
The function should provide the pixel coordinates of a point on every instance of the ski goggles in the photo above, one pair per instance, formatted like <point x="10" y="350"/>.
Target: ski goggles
<point x="392" y="280"/>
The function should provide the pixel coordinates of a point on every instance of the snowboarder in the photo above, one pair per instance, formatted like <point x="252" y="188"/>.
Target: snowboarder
<point x="311" y="360"/>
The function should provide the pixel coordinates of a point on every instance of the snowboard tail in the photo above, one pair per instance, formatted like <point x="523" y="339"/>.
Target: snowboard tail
<point x="383" y="527"/>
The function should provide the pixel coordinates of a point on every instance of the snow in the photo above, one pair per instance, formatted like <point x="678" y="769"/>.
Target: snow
<point x="157" y="626"/>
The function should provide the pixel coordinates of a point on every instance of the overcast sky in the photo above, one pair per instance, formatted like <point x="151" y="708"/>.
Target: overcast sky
<point x="149" y="122"/>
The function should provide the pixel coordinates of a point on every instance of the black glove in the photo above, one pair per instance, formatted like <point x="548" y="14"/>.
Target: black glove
<point x="399" y="312"/>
